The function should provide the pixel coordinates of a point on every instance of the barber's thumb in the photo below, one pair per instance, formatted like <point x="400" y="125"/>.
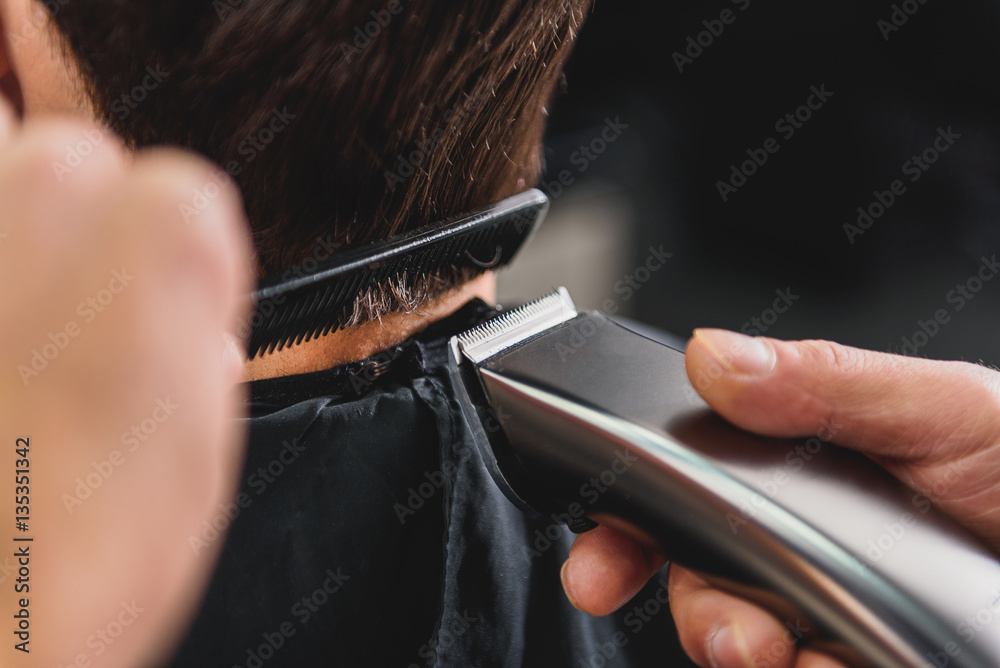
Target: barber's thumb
<point x="857" y="398"/>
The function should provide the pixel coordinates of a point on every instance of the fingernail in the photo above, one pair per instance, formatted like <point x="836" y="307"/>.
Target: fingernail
<point x="728" y="647"/>
<point x="738" y="353"/>
<point x="566" y="587"/>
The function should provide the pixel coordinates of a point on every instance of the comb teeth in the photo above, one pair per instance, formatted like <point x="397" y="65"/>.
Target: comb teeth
<point x="514" y="327"/>
<point x="308" y="306"/>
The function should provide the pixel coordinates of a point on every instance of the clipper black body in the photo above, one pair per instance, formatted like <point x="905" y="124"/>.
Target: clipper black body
<point x="566" y="399"/>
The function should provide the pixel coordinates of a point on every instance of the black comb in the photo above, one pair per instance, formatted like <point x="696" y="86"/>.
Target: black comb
<point x="290" y="311"/>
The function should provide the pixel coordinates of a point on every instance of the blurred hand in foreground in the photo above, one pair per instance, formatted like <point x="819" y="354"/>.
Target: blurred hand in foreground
<point x="117" y="284"/>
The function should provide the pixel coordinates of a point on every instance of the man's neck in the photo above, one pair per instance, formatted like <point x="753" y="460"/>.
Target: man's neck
<point x="357" y="343"/>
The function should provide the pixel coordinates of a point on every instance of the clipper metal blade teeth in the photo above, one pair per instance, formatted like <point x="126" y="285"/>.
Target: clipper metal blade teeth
<point x="518" y="325"/>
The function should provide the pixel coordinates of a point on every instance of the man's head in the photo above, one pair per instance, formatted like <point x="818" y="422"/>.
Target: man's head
<point x="342" y="121"/>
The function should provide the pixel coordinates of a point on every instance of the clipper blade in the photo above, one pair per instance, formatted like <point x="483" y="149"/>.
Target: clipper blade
<point x="517" y="326"/>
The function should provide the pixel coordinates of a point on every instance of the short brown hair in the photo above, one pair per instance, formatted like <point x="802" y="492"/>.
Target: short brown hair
<point x="347" y="121"/>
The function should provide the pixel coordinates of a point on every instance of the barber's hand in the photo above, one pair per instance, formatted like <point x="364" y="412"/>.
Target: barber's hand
<point x="113" y="363"/>
<point x="935" y="425"/>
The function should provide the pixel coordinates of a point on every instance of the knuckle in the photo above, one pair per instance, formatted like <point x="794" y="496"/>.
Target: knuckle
<point x="52" y="152"/>
<point x="190" y="172"/>
<point x="834" y="357"/>
<point x="34" y="160"/>
<point x="830" y="373"/>
<point x="682" y="582"/>
<point x="200" y="196"/>
<point x="109" y="154"/>
<point x="191" y="211"/>
<point x="185" y="188"/>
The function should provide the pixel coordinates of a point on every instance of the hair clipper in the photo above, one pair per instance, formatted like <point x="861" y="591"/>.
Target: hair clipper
<point x="561" y="399"/>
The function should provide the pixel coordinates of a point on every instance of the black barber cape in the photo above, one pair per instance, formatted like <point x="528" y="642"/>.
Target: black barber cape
<point x="369" y="533"/>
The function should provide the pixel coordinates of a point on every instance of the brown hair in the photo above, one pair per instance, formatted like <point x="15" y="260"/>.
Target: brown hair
<point x="342" y="121"/>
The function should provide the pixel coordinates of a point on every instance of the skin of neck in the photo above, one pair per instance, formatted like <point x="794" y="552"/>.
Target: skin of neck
<point x="365" y="340"/>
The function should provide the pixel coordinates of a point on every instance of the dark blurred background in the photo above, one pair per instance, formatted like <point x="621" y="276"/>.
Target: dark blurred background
<point x="896" y="87"/>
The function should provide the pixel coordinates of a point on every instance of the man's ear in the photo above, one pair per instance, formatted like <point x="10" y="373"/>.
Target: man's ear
<point x="34" y="76"/>
<point x="4" y="60"/>
<point x="9" y="86"/>
<point x="10" y="11"/>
